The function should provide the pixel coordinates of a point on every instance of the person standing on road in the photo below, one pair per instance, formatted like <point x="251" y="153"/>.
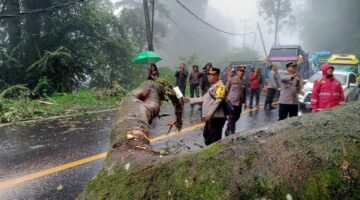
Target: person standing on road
<point x="181" y="75"/>
<point x="228" y="73"/>
<point x="290" y="88"/>
<point x="327" y="92"/>
<point x="212" y="113"/>
<point x="272" y="88"/>
<point x="255" y="84"/>
<point x="236" y="94"/>
<point x="194" y="80"/>
<point x="204" y="82"/>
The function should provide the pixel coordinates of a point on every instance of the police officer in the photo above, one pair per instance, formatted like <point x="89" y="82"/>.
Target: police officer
<point x="212" y="112"/>
<point x="290" y="88"/>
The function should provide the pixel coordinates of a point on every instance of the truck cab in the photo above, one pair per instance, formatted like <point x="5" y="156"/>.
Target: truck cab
<point x="345" y="62"/>
<point x="282" y="54"/>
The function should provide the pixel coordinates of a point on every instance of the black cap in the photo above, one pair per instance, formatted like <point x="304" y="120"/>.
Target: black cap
<point x="291" y="64"/>
<point x="214" y="71"/>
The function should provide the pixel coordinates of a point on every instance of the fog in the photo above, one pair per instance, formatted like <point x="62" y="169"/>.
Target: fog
<point x="186" y="35"/>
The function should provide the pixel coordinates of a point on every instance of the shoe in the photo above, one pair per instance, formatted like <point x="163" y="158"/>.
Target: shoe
<point x="272" y="108"/>
<point x="257" y="107"/>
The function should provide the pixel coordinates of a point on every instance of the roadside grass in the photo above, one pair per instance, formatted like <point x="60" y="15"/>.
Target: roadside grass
<point x="57" y="104"/>
<point x="21" y="107"/>
<point x="82" y="100"/>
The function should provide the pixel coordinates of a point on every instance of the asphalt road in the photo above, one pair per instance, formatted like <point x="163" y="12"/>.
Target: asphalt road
<point x="32" y="155"/>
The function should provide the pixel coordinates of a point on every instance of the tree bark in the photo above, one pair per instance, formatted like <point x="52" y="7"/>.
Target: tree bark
<point x="13" y="24"/>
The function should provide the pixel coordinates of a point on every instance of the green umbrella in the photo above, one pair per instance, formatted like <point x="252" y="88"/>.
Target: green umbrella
<point x="146" y="57"/>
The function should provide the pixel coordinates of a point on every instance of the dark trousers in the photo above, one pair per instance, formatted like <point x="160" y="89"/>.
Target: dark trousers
<point x="232" y="119"/>
<point x="194" y="89"/>
<point x="288" y="109"/>
<point x="213" y="130"/>
<point x="270" y="97"/>
<point x="182" y="89"/>
<point x="204" y="90"/>
<point x="255" y="92"/>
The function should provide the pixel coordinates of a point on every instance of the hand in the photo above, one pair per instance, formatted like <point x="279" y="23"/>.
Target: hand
<point x="186" y="99"/>
<point x="207" y="118"/>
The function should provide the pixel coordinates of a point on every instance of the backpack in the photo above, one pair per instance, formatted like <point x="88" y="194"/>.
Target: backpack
<point x="226" y="106"/>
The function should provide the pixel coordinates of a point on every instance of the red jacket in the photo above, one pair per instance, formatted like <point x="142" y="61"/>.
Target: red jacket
<point x="255" y="80"/>
<point x="327" y="92"/>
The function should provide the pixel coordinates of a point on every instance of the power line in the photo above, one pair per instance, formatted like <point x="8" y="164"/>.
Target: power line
<point x="213" y="27"/>
<point x="39" y="10"/>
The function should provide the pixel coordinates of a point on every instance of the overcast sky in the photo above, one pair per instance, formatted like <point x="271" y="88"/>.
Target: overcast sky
<point x="235" y="12"/>
<point x="238" y="10"/>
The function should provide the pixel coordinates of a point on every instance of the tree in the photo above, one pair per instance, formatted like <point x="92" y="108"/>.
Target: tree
<point x="332" y="25"/>
<point x="67" y="46"/>
<point x="132" y="18"/>
<point x="315" y="156"/>
<point x="275" y="12"/>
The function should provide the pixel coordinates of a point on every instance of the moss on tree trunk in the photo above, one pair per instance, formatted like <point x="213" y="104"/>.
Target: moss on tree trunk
<point x="315" y="156"/>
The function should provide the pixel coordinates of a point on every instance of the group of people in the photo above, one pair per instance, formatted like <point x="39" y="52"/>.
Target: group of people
<point x="326" y="93"/>
<point x="198" y="80"/>
<point x="217" y="97"/>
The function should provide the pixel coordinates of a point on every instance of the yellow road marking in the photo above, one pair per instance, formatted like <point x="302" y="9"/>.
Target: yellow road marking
<point x="39" y="174"/>
<point x="183" y="131"/>
<point x="16" y="181"/>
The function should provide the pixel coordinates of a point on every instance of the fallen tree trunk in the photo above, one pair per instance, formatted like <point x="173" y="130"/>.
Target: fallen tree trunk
<point x="129" y="138"/>
<point x="315" y="156"/>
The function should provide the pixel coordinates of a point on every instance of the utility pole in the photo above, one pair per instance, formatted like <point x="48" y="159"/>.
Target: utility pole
<point x="262" y="39"/>
<point x="245" y="28"/>
<point x="147" y="24"/>
<point x="277" y="18"/>
<point x="244" y="33"/>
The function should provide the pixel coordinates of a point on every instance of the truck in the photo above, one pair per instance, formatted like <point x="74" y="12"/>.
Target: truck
<point x="280" y="55"/>
<point x="317" y="59"/>
<point x="345" y="62"/>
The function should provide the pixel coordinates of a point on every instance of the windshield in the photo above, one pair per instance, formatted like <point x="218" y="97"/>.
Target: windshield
<point x="283" y="52"/>
<point x="340" y="77"/>
<point x="280" y="64"/>
<point x="348" y="67"/>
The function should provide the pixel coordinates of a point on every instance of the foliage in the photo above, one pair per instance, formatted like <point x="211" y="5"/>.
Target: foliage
<point x="332" y="25"/>
<point x="66" y="48"/>
<point x="112" y="91"/>
<point x="132" y="18"/>
<point x="23" y="108"/>
<point x="275" y="12"/>
<point x="237" y="54"/>
<point x="191" y="60"/>
<point x="167" y="74"/>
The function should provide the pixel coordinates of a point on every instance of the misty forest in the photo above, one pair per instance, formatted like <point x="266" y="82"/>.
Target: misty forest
<point x="97" y="99"/>
<point x="91" y="43"/>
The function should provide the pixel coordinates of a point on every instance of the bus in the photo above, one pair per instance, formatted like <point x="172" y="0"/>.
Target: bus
<point x="282" y="54"/>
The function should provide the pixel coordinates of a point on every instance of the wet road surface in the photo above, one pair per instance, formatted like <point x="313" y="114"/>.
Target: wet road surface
<point x="32" y="147"/>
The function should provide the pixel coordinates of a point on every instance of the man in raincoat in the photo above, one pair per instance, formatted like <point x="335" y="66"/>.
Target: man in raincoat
<point x="327" y="91"/>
